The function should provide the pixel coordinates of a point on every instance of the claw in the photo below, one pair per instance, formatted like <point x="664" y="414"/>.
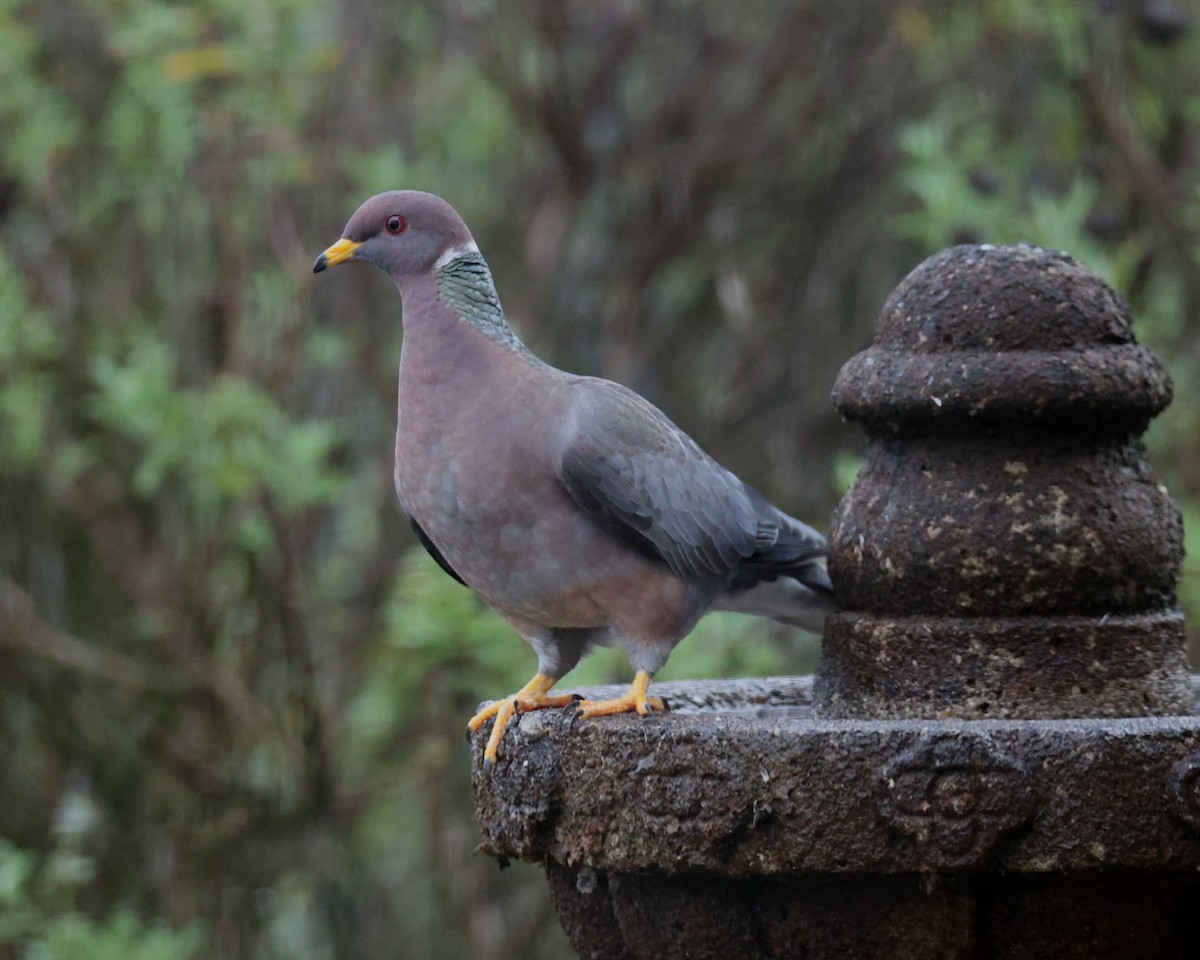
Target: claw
<point x="532" y="696"/>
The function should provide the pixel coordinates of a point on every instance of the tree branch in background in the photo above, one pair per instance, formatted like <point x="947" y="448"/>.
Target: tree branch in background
<point x="22" y="628"/>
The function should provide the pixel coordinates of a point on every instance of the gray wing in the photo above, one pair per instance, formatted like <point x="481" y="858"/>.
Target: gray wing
<point x="652" y="487"/>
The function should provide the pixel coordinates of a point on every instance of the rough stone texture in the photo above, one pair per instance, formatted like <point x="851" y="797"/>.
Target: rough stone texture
<point x="1005" y="667"/>
<point x="585" y="906"/>
<point x="895" y="918"/>
<point x="998" y="525"/>
<point x="1005" y="528"/>
<point x="1003" y="335"/>
<point x="1132" y="917"/>
<point x="1000" y="755"/>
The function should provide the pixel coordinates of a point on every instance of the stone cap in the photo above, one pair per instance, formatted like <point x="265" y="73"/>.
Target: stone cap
<point x="1002" y="333"/>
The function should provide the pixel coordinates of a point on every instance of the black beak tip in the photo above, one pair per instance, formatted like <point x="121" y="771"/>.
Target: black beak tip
<point x="321" y="264"/>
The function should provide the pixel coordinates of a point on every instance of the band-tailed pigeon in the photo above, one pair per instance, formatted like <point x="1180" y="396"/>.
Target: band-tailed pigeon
<point x="571" y="505"/>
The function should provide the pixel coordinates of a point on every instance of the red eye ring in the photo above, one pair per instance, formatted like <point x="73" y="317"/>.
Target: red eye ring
<point x="395" y="225"/>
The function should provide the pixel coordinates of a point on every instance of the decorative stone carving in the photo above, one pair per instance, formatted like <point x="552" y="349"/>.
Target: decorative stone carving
<point x="955" y="796"/>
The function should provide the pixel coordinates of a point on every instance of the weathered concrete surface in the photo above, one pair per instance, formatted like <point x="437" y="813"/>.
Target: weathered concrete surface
<point x="987" y="525"/>
<point x="1004" y="667"/>
<point x="1002" y="336"/>
<point x="927" y="917"/>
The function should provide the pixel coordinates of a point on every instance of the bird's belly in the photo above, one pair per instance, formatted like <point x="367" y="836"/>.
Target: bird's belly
<point x="528" y="567"/>
<point x="524" y="548"/>
<point x="533" y="578"/>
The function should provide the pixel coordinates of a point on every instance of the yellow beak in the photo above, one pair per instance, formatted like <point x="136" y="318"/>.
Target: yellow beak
<point x="340" y="252"/>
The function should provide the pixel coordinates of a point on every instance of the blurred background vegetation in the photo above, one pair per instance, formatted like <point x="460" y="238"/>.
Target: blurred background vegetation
<point x="232" y="696"/>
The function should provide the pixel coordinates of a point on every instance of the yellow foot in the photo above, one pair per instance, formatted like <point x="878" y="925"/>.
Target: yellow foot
<point x="635" y="699"/>
<point x="532" y="696"/>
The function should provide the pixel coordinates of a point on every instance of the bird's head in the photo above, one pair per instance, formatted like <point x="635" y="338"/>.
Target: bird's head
<point x="403" y="232"/>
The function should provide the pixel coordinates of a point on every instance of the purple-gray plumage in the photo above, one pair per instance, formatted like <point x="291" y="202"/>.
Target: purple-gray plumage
<point x="571" y="505"/>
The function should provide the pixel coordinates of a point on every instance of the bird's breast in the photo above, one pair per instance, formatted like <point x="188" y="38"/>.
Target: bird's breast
<point x="483" y="489"/>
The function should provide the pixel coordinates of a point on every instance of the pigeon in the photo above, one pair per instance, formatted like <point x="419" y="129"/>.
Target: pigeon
<point x="571" y="505"/>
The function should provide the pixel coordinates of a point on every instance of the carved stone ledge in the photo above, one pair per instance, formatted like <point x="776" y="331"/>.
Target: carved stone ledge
<point x="747" y="789"/>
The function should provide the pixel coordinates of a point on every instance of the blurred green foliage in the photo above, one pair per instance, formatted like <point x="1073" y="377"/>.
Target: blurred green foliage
<point x="232" y="695"/>
<point x="45" y="927"/>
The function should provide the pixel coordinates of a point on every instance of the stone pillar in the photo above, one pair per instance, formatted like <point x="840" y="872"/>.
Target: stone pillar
<point x="1006" y="551"/>
<point x="1000" y="753"/>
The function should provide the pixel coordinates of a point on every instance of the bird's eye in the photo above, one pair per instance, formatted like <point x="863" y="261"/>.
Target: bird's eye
<point x="395" y="225"/>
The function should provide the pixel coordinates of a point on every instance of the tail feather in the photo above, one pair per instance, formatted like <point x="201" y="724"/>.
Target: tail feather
<point x="814" y="576"/>
<point x="785" y="578"/>
<point x="801" y="597"/>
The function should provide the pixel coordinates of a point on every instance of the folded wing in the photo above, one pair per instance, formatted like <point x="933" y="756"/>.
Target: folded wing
<point x="652" y="487"/>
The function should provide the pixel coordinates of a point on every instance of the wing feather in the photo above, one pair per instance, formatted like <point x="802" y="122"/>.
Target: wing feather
<point x="433" y="551"/>
<point x="647" y="482"/>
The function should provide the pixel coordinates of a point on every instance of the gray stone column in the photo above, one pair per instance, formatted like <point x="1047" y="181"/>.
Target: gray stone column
<point x="1006" y="551"/>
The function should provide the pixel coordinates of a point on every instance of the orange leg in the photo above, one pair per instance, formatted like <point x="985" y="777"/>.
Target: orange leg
<point x="532" y="696"/>
<point x="635" y="699"/>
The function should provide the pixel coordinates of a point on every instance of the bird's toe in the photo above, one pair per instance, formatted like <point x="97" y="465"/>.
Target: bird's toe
<point x="532" y="696"/>
<point x="484" y="715"/>
<point x="633" y="701"/>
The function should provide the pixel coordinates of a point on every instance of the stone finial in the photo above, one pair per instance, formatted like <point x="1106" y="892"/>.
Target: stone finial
<point x="1006" y="551"/>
